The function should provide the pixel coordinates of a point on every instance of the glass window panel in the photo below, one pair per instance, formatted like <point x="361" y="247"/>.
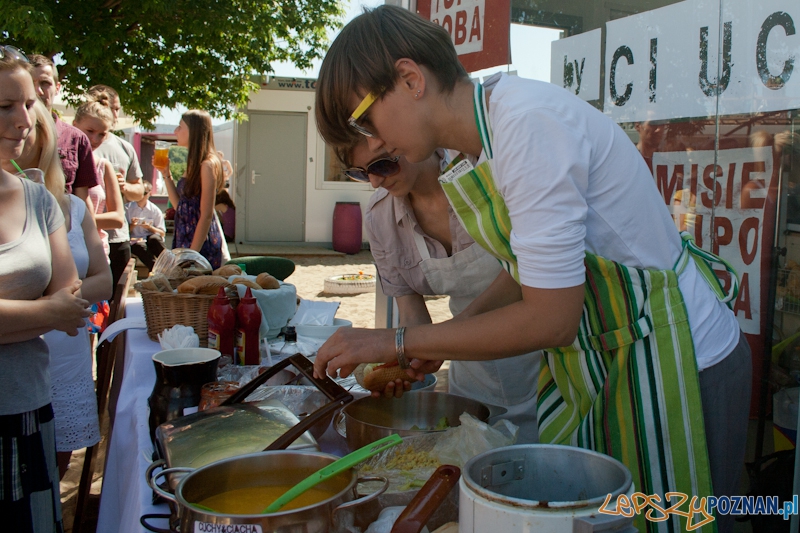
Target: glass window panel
<point x="713" y="109"/>
<point x="333" y="167"/>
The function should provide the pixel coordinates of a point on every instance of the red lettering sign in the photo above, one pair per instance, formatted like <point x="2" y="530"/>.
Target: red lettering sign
<point x="479" y="29"/>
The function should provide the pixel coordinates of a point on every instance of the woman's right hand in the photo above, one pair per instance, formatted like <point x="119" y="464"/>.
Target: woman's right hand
<point x="68" y="309"/>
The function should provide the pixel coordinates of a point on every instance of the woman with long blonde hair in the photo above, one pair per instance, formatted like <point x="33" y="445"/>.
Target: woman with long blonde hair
<point x="196" y="192"/>
<point x="40" y="152"/>
<point x="72" y="386"/>
<point x="39" y="292"/>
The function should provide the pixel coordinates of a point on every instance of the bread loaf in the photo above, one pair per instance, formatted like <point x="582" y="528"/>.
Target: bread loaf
<point x="203" y="285"/>
<point x="375" y="376"/>
<point x="227" y="271"/>
<point x="266" y="281"/>
<point x="246" y="282"/>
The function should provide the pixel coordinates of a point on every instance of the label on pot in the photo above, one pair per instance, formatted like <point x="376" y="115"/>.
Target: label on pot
<point x="208" y="527"/>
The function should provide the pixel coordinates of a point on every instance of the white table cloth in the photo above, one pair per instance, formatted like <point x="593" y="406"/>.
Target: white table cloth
<point x="125" y="495"/>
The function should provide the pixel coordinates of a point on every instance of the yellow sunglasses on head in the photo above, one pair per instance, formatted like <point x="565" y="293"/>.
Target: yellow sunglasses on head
<point x="359" y="112"/>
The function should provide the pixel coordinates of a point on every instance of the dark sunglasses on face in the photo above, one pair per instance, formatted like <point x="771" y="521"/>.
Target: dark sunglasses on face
<point x="385" y="168"/>
<point x="13" y="53"/>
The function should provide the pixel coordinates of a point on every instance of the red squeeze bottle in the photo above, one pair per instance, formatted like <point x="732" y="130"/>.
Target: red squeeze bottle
<point x="221" y="324"/>
<point x="248" y="324"/>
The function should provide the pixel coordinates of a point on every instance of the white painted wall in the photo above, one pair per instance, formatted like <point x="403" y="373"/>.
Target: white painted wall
<point x="223" y="139"/>
<point x="321" y="196"/>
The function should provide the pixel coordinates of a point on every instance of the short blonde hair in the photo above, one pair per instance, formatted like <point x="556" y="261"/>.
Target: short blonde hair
<point x="363" y="56"/>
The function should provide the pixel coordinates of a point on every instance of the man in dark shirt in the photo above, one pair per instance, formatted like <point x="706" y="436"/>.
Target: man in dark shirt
<point x="74" y="149"/>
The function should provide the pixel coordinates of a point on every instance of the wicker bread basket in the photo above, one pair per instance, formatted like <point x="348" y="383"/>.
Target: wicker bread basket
<point x="162" y="310"/>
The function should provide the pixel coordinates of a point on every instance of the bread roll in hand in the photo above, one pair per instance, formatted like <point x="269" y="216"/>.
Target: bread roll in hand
<point x="375" y="376"/>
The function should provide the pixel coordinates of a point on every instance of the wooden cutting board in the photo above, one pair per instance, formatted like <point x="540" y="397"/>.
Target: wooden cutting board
<point x="450" y="527"/>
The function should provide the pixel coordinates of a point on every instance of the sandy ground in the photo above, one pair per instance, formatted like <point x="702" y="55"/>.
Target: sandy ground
<point x="309" y="278"/>
<point x="311" y="272"/>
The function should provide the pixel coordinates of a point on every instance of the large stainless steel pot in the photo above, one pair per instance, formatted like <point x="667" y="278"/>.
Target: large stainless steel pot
<point x="541" y="487"/>
<point x="369" y="419"/>
<point x="259" y="469"/>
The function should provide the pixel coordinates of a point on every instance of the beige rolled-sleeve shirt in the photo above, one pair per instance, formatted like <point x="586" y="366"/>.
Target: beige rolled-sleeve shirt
<point x="389" y="222"/>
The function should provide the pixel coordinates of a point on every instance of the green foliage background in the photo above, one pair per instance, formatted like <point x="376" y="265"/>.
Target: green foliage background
<point x="199" y="53"/>
<point x="177" y="161"/>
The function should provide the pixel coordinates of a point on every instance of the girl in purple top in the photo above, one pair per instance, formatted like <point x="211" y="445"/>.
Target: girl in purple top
<point x="196" y="192"/>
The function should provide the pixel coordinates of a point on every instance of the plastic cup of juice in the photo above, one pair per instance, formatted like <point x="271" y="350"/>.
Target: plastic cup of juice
<point x="162" y="154"/>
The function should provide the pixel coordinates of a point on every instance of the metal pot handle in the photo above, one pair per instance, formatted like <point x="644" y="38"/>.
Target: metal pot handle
<point x="145" y="521"/>
<point x="495" y="410"/>
<point x="365" y="499"/>
<point x="151" y="479"/>
<point x="337" y="424"/>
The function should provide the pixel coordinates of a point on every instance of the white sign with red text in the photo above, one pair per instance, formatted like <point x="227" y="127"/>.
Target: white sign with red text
<point x="463" y="20"/>
<point x="736" y="189"/>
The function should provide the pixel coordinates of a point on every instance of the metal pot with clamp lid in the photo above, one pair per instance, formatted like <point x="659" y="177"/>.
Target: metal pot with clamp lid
<point x="542" y="487"/>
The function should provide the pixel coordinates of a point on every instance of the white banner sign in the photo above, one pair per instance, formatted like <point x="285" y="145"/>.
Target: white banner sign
<point x="575" y="64"/>
<point x="736" y="187"/>
<point x="463" y="20"/>
<point x="663" y="64"/>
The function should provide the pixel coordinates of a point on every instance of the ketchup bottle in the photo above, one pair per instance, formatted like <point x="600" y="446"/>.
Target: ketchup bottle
<point x="248" y="324"/>
<point x="221" y="324"/>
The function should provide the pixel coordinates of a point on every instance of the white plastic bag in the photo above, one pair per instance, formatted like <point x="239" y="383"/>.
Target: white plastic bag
<point x="386" y="521"/>
<point x="473" y="437"/>
<point x="314" y="313"/>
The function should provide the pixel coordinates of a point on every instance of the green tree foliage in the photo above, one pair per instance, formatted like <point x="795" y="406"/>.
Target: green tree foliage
<point x="199" y="53"/>
<point x="177" y="161"/>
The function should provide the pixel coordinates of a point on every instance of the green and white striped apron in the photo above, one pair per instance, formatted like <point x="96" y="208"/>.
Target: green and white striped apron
<point x="628" y="386"/>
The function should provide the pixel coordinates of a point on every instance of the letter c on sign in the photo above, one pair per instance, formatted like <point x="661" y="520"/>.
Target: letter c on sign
<point x="619" y="101"/>
<point x="779" y="18"/>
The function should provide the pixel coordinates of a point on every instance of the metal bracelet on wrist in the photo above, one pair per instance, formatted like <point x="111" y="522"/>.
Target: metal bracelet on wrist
<point x="400" y="348"/>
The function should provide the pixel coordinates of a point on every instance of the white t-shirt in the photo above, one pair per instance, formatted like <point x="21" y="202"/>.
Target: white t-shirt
<point x="574" y="182"/>
<point x="149" y="211"/>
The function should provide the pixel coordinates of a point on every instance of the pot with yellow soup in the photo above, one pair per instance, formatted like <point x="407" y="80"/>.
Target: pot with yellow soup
<point x="236" y="491"/>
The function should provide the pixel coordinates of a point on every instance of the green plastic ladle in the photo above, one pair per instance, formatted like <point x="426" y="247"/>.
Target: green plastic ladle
<point x="334" y="469"/>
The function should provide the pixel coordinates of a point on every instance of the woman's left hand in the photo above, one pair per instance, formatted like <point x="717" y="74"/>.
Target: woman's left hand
<point x="349" y="347"/>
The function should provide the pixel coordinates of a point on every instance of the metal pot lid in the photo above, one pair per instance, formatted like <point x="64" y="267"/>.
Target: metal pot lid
<point x="546" y="476"/>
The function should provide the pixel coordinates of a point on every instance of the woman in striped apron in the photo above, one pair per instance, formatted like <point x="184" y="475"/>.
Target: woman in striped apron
<point x="645" y="360"/>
